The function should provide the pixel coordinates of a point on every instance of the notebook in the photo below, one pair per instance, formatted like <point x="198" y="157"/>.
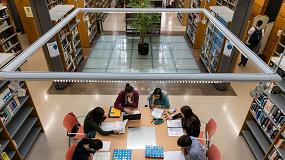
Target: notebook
<point x="114" y="112"/>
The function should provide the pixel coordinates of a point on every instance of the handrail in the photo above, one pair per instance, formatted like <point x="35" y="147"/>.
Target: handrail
<point x="7" y="71"/>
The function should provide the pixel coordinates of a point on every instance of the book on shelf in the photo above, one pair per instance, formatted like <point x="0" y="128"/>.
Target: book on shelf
<point x="5" y="96"/>
<point x="264" y="121"/>
<point x="280" y="143"/>
<point x="274" y="155"/>
<point x="8" y="111"/>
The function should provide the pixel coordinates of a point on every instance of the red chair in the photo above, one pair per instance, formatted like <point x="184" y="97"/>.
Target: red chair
<point x="69" y="121"/>
<point x="210" y="130"/>
<point x="70" y="152"/>
<point x="214" y="153"/>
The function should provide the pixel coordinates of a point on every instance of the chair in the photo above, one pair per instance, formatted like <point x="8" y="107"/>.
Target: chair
<point x="70" y="152"/>
<point x="69" y="121"/>
<point x="210" y="130"/>
<point x="214" y="153"/>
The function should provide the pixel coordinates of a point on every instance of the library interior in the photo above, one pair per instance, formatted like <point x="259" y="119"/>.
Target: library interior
<point x="142" y="79"/>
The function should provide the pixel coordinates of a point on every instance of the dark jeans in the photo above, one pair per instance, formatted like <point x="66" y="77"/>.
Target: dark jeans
<point x="243" y="59"/>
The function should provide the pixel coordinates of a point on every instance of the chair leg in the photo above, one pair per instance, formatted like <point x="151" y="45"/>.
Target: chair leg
<point x="68" y="141"/>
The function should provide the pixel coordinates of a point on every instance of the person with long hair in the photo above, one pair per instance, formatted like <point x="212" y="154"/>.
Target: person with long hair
<point x="127" y="99"/>
<point x="158" y="99"/>
<point x="190" y="122"/>
<point x="93" y="122"/>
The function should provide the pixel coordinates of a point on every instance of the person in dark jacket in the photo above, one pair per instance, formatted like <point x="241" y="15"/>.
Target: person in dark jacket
<point x="127" y="99"/>
<point x="93" y="121"/>
<point x="190" y="122"/>
<point x="85" y="148"/>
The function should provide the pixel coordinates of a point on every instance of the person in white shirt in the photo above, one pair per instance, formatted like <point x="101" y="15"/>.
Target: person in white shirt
<point x="253" y="42"/>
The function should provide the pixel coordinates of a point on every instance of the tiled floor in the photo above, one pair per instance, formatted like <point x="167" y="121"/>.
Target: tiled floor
<point x="167" y="54"/>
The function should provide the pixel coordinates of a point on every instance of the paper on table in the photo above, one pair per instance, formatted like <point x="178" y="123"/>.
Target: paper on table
<point x="174" y="123"/>
<point x="175" y="132"/>
<point x="102" y="156"/>
<point x="174" y="155"/>
<point x="118" y="125"/>
<point x="107" y="126"/>
<point x="157" y="112"/>
<point x="139" y="137"/>
<point x="106" y="146"/>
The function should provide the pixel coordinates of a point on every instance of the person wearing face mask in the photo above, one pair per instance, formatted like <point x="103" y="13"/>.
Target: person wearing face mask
<point x="93" y="121"/>
<point x="127" y="99"/>
<point x="158" y="99"/>
<point x="85" y="148"/>
<point x="190" y="122"/>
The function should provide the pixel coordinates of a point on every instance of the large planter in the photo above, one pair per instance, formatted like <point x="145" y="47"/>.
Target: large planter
<point x="143" y="48"/>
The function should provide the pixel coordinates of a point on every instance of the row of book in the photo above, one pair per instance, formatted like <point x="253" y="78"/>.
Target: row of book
<point x="4" y="13"/>
<point x="5" y="96"/>
<point x="4" y="24"/>
<point x="8" y="111"/>
<point x="274" y="155"/>
<point x="264" y="121"/>
<point x="271" y="110"/>
<point x="8" y="44"/>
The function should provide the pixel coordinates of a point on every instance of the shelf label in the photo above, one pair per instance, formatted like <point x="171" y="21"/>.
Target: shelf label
<point x="228" y="49"/>
<point x="53" y="49"/>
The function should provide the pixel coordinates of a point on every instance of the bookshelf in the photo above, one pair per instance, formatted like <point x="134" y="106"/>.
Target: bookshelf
<point x="183" y="17"/>
<point x="214" y="40"/>
<point x="228" y="3"/>
<point x="9" y="41"/>
<point x="53" y="3"/>
<point x="195" y="29"/>
<point x="19" y="121"/>
<point x="68" y="39"/>
<point x="88" y="22"/>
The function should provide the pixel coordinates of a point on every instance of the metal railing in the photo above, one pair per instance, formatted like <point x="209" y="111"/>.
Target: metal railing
<point x="267" y="75"/>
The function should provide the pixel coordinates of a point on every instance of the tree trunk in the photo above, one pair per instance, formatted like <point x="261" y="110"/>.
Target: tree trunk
<point x="141" y="39"/>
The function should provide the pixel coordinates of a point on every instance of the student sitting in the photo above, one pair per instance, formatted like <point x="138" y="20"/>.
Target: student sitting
<point x="190" y="122"/>
<point x="158" y="99"/>
<point x="85" y="148"/>
<point x="191" y="148"/>
<point x="127" y="98"/>
<point x="93" y="121"/>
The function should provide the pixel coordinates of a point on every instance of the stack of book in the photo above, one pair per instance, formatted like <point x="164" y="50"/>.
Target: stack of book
<point x="8" y="111"/>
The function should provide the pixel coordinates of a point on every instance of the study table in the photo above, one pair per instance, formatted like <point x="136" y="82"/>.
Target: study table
<point x="120" y="141"/>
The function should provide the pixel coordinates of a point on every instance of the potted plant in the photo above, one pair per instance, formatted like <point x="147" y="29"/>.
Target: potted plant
<point x="143" y="23"/>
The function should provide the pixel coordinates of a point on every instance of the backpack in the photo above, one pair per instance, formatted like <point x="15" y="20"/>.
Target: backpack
<point x="255" y="37"/>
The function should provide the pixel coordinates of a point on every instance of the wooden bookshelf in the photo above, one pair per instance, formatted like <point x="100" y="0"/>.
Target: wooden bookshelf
<point x="263" y="128"/>
<point x="20" y="124"/>
<point x="195" y="28"/>
<point x="183" y="17"/>
<point x="68" y="39"/>
<point x="214" y="40"/>
<point x="88" y="22"/>
<point x="228" y="3"/>
<point x="9" y="41"/>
